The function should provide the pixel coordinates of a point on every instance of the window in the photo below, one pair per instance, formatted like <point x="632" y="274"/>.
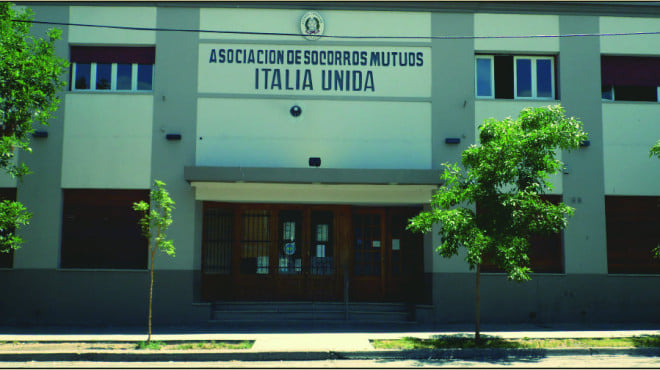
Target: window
<point x="632" y="232"/>
<point x="630" y="78"/>
<point x="100" y="229"/>
<point x="545" y="251"/>
<point x="515" y="77"/>
<point x="112" y="68"/>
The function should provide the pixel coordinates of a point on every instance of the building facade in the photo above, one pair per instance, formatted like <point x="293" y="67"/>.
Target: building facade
<point x="295" y="160"/>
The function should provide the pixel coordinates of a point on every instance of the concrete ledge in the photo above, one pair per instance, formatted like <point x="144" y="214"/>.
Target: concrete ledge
<point x="197" y="356"/>
<point x="312" y="175"/>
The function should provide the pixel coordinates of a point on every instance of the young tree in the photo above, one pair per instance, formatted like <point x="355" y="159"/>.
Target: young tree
<point x="29" y="81"/>
<point x="505" y="177"/>
<point x="154" y="223"/>
<point x="655" y="151"/>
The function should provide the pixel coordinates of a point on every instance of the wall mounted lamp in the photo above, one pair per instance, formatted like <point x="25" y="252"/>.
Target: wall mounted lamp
<point x="314" y="162"/>
<point x="42" y="134"/>
<point x="452" y="140"/>
<point x="173" y="136"/>
<point x="295" y="111"/>
<point x="585" y="143"/>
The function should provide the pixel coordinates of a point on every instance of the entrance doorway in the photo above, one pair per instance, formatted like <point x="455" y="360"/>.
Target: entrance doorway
<point x="307" y="252"/>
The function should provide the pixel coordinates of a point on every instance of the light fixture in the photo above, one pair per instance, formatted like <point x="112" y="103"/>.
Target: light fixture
<point x="42" y="134"/>
<point x="295" y="111"/>
<point x="452" y="140"/>
<point x="314" y="162"/>
<point x="585" y="143"/>
<point x="173" y="136"/>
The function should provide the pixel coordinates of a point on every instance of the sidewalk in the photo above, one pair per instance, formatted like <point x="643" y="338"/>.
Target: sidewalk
<point x="273" y="344"/>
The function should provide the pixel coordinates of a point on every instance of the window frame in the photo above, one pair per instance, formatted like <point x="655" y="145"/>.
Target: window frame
<point x="492" y="76"/>
<point x="534" y="77"/>
<point x="113" y="78"/>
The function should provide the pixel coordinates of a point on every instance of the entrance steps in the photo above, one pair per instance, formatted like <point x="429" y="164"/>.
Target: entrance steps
<point x="307" y="312"/>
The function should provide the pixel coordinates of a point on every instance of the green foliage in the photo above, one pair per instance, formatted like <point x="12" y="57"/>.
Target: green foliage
<point x="157" y="345"/>
<point x="154" y="223"/>
<point x="156" y="220"/>
<point x="505" y="176"/>
<point x="655" y="151"/>
<point x="463" y="341"/>
<point x="29" y="81"/>
<point x="12" y="216"/>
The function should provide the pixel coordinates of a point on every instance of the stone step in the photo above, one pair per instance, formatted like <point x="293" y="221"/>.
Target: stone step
<point x="300" y="312"/>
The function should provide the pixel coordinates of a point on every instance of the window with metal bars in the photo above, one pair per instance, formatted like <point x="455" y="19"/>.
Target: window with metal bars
<point x="218" y="238"/>
<point x="255" y="242"/>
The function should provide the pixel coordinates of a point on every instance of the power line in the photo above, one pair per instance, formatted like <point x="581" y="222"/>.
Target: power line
<point x="340" y="36"/>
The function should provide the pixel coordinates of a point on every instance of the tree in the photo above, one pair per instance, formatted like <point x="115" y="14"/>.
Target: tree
<point x="505" y="177"/>
<point x="154" y="224"/>
<point x="655" y="151"/>
<point x="29" y="81"/>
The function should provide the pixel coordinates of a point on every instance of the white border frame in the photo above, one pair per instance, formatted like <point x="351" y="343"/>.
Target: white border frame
<point x="492" y="76"/>
<point x="113" y="82"/>
<point x="533" y="60"/>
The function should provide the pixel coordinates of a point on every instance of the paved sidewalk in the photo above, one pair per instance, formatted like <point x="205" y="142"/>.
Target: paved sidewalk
<point x="272" y="344"/>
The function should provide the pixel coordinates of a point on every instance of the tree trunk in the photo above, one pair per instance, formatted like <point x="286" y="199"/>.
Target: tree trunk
<point x="477" y="337"/>
<point x="151" y="294"/>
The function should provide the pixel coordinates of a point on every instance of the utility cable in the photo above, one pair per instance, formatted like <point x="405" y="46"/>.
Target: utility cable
<point x="340" y="36"/>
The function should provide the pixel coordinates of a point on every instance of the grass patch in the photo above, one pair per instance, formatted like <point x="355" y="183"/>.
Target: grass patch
<point x="154" y="344"/>
<point x="196" y="345"/>
<point x="246" y="344"/>
<point x="467" y="341"/>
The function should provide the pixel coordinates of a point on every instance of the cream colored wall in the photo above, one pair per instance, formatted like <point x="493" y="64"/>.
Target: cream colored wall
<point x="633" y="44"/>
<point x="629" y="131"/>
<point x="107" y="141"/>
<point x="336" y="22"/>
<point x="313" y="193"/>
<point x="128" y="16"/>
<point x="501" y="109"/>
<point x="516" y="25"/>
<point x="7" y="181"/>
<point x="345" y="134"/>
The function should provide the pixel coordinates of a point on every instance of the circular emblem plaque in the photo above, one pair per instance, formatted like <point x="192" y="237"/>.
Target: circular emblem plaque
<point x="290" y="249"/>
<point x="311" y="25"/>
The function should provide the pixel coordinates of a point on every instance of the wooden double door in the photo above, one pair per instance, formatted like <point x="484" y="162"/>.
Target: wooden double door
<point x="308" y="252"/>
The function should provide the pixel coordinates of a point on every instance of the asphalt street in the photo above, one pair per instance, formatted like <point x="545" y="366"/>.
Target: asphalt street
<point x="594" y="361"/>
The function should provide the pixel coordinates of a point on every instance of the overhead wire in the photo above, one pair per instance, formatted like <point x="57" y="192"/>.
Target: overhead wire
<point x="131" y="28"/>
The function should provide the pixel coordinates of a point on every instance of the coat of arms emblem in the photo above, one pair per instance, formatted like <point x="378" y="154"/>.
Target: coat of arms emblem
<point x="311" y="25"/>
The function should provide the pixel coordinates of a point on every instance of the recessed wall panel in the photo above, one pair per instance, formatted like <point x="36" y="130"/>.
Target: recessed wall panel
<point x="498" y="28"/>
<point x="269" y="24"/>
<point x="344" y="134"/>
<point x="107" y="141"/>
<point x="126" y="16"/>
<point x="500" y="110"/>
<point x="629" y="44"/>
<point x="629" y="131"/>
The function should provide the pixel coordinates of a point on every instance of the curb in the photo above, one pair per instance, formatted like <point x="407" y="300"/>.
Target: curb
<point x="430" y="354"/>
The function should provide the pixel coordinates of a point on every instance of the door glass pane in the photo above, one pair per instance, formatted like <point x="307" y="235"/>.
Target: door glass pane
<point x="255" y="242"/>
<point x="544" y="78"/>
<point x="524" y="78"/>
<point x="322" y="260"/>
<point x="83" y="75"/>
<point x="290" y="246"/>
<point x="124" y="76"/>
<point x="103" y="76"/>
<point x="484" y="78"/>
<point x="366" y="245"/>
